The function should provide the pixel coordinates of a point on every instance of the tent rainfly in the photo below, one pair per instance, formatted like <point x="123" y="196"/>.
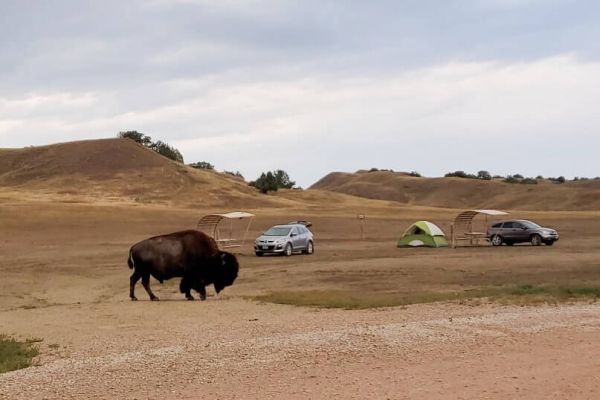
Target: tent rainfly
<point x="423" y="234"/>
<point x="231" y="234"/>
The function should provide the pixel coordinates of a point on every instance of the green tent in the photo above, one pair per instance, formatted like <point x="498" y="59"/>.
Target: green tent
<point x="423" y="233"/>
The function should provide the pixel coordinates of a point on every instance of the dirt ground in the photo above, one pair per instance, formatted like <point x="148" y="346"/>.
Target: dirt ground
<point x="65" y="281"/>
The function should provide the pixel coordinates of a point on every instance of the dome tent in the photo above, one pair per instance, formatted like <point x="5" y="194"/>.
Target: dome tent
<point x="423" y="233"/>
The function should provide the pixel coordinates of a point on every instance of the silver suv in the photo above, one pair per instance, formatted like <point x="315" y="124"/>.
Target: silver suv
<point x="521" y="231"/>
<point x="285" y="239"/>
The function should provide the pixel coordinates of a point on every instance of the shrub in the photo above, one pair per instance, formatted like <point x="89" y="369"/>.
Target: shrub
<point x="460" y="174"/>
<point x="484" y="175"/>
<point x="539" y="177"/>
<point x="529" y="181"/>
<point x="518" y="176"/>
<point x="415" y="174"/>
<point x="237" y="174"/>
<point x="16" y="355"/>
<point x="511" y="179"/>
<point x="202" y="165"/>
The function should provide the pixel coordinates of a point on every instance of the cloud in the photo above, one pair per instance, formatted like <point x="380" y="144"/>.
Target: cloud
<point x="456" y="115"/>
<point x="311" y="86"/>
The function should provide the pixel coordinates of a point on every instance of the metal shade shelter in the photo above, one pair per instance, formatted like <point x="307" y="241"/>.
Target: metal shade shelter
<point x="462" y="228"/>
<point x="229" y="229"/>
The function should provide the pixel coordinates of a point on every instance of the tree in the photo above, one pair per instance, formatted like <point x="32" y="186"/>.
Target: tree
<point x="202" y="165"/>
<point x="160" y="147"/>
<point x="137" y="137"/>
<point x="484" y="175"/>
<point x="561" y="179"/>
<point x="283" y="179"/>
<point x="265" y="183"/>
<point x="164" y="149"/>
<point x="272" y="181"/>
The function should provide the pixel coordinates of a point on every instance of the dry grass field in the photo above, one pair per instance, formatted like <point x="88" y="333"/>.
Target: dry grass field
<point x="358" y="319"/>
<point x="470" y="193"/>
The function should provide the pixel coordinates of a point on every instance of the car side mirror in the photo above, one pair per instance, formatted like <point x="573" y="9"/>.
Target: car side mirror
<point x="525" y="228"/>
<point x="293" y="235"/>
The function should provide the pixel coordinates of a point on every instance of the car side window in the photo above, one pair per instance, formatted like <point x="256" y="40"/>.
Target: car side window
<point x="508" y="225"/>
<point x="497" y="225"/>
<point x="518" y="225"/>
<point x="295" y="230"/>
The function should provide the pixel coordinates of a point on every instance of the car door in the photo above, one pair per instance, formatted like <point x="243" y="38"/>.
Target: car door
<point x="508" y="231"/>
<point x="305" y="235"/>
<point x="521" y="233"/>
<point x="296" y="238"/>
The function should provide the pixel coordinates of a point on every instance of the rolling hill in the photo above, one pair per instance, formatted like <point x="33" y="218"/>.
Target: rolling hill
<point x="119" y="169"/>
<point x="464" y="193"/>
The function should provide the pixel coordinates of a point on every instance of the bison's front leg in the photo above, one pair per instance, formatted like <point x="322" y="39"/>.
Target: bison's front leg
<point x="184" y="287"/>
<point x="146" y="284"/>
<point x="202" y="291"/>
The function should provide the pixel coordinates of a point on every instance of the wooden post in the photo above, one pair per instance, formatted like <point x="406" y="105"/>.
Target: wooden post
<point x="452" y="239"/>
<point x="362" y="218"/>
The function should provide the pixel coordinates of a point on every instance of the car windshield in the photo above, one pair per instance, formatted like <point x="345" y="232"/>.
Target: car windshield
<point x="277" y="231"/>
<point x="531" y="225"/>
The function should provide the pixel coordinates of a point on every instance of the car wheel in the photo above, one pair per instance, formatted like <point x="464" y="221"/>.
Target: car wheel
<point x="288" y="250"/>
<point x="259" y="253"/>
<point x="496" y="240"/>
<point x="310" y="248"/>
<point x="550" y="243"/>
<point x="536" y="240"/>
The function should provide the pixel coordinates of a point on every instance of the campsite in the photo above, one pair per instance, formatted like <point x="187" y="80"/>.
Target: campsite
<point x="358" y="318"/>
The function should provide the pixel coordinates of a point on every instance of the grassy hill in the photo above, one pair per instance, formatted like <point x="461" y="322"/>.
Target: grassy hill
<point x="464" y="193"/>
<point x="118" y="169"/>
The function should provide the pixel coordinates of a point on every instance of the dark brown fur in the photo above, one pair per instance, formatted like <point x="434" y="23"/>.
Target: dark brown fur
<point x="191" y="255"/>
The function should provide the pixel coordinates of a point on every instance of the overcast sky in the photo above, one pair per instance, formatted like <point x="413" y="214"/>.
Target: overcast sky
<point x="509" y="86"/>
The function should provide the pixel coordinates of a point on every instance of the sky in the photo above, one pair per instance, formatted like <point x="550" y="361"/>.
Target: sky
<point x="313" y="86"/>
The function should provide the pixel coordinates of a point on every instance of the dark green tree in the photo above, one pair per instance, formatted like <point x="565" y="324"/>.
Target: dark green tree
<point x="283" y="179"/>
<point x="137" y="137"/>
<point x="202" y="165"/>
<point x="164" y="149"/>
<point x="265" y="183"/>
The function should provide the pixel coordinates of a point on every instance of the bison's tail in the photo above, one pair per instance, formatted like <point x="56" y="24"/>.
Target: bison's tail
<point x="130" y="260"/>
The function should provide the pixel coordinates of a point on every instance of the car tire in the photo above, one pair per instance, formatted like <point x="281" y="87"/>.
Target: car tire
<point x="536" y="240"/>
<point x="496" y="240"/>
<point x="259" y="253"/>
<point x="310" y="248"/>
<point x="550" y="243"/>
<point x="287" y="251"/>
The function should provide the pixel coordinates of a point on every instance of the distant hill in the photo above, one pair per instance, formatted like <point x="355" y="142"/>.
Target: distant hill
<point x="464" y="193"/>
<point x="119" y="169"/>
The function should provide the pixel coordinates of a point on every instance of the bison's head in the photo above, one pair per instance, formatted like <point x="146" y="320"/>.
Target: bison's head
<point x="227" y="271"/>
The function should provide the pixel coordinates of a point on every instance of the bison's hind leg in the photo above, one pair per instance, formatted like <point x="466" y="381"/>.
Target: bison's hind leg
<point x="146" y="284"/>
<point x="132" y="281"/>
<point x="184" y="287"/>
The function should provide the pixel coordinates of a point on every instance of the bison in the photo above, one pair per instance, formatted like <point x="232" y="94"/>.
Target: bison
<point x="191" y="255"/>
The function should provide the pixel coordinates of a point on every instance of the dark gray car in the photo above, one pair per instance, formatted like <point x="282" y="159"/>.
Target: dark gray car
<point x="521" y="231"/>
<point x="285" y="239"/>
